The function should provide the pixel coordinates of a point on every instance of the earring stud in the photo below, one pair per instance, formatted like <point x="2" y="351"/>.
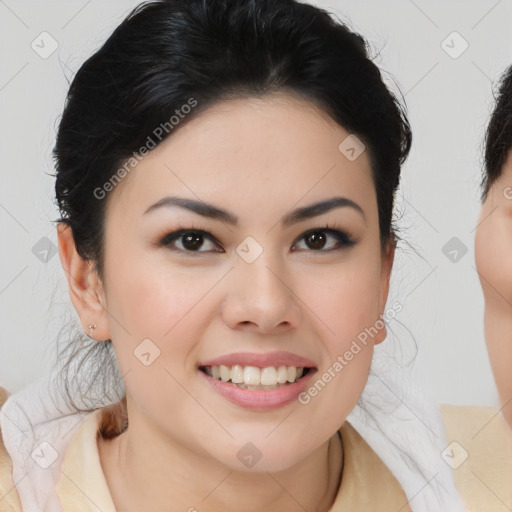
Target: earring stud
<point x="91" y="328"/>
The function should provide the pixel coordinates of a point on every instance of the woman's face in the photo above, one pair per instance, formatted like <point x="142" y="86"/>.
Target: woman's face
<point x="493" y="253"/>
<point x="250" y="290"/>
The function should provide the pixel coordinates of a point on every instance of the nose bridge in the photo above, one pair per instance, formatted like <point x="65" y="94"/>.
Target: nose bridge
<point x="263" y="275"/>
<point x="260" y="291"/>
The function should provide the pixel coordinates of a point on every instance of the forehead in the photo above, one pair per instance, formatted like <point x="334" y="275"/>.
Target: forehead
<point x="265" y="151"/>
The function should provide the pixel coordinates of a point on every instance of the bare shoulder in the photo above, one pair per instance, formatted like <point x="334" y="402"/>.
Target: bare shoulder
<point x="9" y="500"/>
<point x="479" y="450"/>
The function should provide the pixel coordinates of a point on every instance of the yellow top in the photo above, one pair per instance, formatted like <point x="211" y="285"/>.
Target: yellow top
<point x="483" y="477"/>
<point x="481" y="444"/>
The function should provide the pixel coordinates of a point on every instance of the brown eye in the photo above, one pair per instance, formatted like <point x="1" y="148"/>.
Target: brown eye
<point x="317" y="240"/>
<point x="192" y="241"/>
<point x="188" y="240"/>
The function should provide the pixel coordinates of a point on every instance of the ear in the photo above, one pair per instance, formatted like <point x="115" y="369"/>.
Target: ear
<point x="385" y="273"/>
<point x="85" y="287"/>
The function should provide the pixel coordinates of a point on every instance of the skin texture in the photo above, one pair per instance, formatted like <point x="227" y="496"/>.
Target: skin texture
<point x="258" y="158"/>
<point x="493" y="247"/>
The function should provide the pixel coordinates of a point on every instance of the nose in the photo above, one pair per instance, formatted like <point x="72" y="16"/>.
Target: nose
<point x="260" y="297"/>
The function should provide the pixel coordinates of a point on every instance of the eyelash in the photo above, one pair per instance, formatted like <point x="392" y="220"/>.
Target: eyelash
<point x="343" y="238"/>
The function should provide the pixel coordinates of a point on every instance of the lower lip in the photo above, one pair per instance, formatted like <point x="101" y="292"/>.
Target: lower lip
<point x="259" y="399"/>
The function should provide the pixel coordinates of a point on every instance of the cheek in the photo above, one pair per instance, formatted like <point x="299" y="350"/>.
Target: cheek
<point x="150" y="292"/>
<point x="493" y="245"/>
<point x="157" y="316"/>
<point x="351" y="312"/>
<point x="346" y="302"/>
<point x="150" y="299"/>
<point x="347" y="297"/>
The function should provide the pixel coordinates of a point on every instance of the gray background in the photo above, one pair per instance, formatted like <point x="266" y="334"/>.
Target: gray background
<point x="449" y="98"/>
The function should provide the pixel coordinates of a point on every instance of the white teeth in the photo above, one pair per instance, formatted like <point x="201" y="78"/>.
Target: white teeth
<point x="225" y="373"/>
<point x="282" y="375"/>
<point x="251" y="376"/>
<point x="215" y="372"/>
<point x="245" y="376"/>
<point x="268" y="376"/>
<point x="237" y="374"/>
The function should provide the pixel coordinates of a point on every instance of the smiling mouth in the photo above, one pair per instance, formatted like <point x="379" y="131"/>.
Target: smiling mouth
<point x="252" y="377"/>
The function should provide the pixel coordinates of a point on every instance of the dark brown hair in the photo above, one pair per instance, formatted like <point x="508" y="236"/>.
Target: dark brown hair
<point x="498" y="138"/>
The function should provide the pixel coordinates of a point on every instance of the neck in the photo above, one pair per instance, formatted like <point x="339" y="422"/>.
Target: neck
<point x="161" y="474"/>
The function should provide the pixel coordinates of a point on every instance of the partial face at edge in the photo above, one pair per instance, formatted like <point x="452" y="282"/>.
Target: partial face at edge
<point x="198" y="299"/>
<point x="493" y="254"/>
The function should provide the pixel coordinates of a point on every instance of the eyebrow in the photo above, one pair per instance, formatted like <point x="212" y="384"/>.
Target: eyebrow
<point x="297" y="215"/>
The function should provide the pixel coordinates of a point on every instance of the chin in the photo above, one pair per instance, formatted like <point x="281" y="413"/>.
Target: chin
<point x="261" y="455"/>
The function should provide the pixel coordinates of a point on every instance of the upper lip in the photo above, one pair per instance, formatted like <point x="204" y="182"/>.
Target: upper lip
<point x="261" y="360"/>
